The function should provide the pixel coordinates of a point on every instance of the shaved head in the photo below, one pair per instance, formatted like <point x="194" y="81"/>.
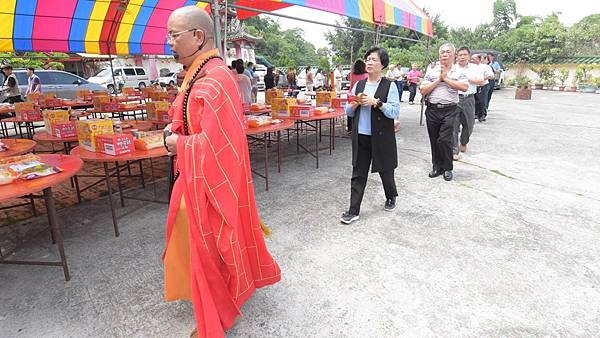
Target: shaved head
<point x="194" y="17"/>
<point x="190" y="33"/>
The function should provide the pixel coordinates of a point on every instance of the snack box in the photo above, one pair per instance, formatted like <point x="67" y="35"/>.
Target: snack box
<point x="158" y="95"/>
<point x="280" y="107"/>
<point x="271" y="94"/>
<point x="158" y="111"/>
<point x="64" y="130"/>
<point x="301" y="110"/>
<point x="338" y="102"/>
<point x="27" y="111"/>
<point x="115" y="144"/>
<point x="149" y="140"/>
<point x="324" y="98"/>
<point x="87" y="130"/>
<point x="34" y="97"/>
<point x="104" y="103"/>
<point x="84" y="94"/>
<point x="53" y="117"/>
<point x="130" y="91"/>
<point x="129" y="105"/>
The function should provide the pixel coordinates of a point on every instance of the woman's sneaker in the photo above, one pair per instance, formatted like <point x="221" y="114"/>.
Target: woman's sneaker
<point x="348" y="218"/>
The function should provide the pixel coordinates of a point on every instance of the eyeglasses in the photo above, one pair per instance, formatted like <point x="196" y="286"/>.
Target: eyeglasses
<point x="172" y="36"/>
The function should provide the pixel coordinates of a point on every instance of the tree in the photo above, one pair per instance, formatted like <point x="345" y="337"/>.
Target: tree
<point x="505" y="13"/>
<point x="286" y="48"/>
<point x="584" y="36"/>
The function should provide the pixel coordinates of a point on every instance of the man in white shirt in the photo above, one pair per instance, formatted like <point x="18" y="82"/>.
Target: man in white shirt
<point x="466" y="103"/>
<point x="337" y="77"/>
<point x="482" y="94"/>
<point x="395" y="75"/>
<point x="440" y="86"/>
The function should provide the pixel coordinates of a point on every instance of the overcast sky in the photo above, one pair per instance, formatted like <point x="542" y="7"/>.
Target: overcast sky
<point x="453" y="13"/>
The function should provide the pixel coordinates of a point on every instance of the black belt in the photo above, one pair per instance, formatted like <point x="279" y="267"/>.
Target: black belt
<point x="441" y="105"/>
<point x="465" y="96"/>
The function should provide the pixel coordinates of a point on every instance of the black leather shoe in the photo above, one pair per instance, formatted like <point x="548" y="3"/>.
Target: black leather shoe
<point x="448" y="175"/>
<point x="435" y="173"/>
<point x="390" y="204"/>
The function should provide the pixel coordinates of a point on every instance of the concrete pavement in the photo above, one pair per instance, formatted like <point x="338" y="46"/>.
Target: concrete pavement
<point x="508" y="249"/>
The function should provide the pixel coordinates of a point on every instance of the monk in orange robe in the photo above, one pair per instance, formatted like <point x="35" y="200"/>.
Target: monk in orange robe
<point x="215" y="254"/>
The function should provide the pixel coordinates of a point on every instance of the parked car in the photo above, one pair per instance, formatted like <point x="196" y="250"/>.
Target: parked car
<point x="124" y="76"/>
<point x="261" y="71"/>
<point x="63" y="84"/>
<point x="168" y="79"/>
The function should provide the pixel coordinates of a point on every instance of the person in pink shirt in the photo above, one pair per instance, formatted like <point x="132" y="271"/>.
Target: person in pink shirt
<point x="358" y="73"/>
<point x="413" y="79"/>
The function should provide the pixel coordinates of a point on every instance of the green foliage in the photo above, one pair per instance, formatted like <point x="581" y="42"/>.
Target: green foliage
<point x="522" y="81"/>
<point x="584" y="36"/>
<point x="34" y="59"/>
<point x="563" y="76"/>
<point x="286" y="48"/>
<point x="596" y="81"/>
<point x="505" y="13"/>
<point x="582" y="73"/>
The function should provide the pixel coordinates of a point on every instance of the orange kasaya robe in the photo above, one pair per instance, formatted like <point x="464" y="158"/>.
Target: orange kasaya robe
<point x="215" y="254"/>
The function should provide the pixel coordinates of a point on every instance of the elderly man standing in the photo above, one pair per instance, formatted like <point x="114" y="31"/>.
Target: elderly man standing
<point x="482" y="95"/>
<point x="215" y="253"/>
<point x="466" y="103"/>
<point x="440" y="86"/>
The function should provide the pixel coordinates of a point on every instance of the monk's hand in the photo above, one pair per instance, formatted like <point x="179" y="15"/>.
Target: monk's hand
<point x="171" y="142"/>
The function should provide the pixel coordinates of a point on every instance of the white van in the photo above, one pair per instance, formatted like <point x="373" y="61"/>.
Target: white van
<point x="135" y="77"/>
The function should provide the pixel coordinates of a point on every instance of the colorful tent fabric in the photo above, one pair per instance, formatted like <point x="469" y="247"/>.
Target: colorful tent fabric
<point x="87" y="26"/>
<point x="403" y="13"/>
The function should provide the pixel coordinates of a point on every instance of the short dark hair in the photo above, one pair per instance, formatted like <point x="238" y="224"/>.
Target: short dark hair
<point x="382" y="53"/>
<point x="249" y="64"/>
<point x="7" y="66"/>
<point x="359" y="67"/>
<point x="491" y="54"/>
<point x="464" y="48"/>
<point x="239" y="67"/>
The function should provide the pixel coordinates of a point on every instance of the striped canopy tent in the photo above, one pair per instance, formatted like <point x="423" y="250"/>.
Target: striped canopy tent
<point x="403" y="13"/>
<point x="116" y="27"/>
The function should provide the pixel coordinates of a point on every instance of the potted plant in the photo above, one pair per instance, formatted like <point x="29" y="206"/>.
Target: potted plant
<point x="562" y="77"/>
<point x="574" y="85"/>
<point x="539" y="84"/>
<point x="585" y="83"/>
<point x="523" y="91"/>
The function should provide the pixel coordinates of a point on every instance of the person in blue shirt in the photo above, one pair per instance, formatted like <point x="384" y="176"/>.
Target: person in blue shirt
<point x="497" y="69"/>
<point x="374" y="107"/>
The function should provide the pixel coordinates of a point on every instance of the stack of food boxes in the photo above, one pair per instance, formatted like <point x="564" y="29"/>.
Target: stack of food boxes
<point x="324" y="98"/>
<point x="280" y="107"/>
<point x="158" y="111"/>
<point x="88" y="130"/>
<point x="103" y="103"/>
<point x="50" y="100"/>
<point x="34" y="97"/>
<point x="58" y="123"/>
<point x="84" y="94"/>
<point x="27" y="111"/>
<point x="271" y="94"/>
<point x="158" y="95"/>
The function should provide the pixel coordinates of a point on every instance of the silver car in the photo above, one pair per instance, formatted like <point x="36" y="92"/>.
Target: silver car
<point x="63" y="84"/>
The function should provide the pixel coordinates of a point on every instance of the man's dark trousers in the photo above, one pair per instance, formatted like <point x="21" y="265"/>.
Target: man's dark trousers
<point x="492" y="84"/>
<point x="482" y="97"/>
<point x="440" y="127"/>
<point x="465" y="118"/>
<point x="360" y="173"/>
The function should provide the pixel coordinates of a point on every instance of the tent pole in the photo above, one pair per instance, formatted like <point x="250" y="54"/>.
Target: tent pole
<point x="214" y="5"/>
